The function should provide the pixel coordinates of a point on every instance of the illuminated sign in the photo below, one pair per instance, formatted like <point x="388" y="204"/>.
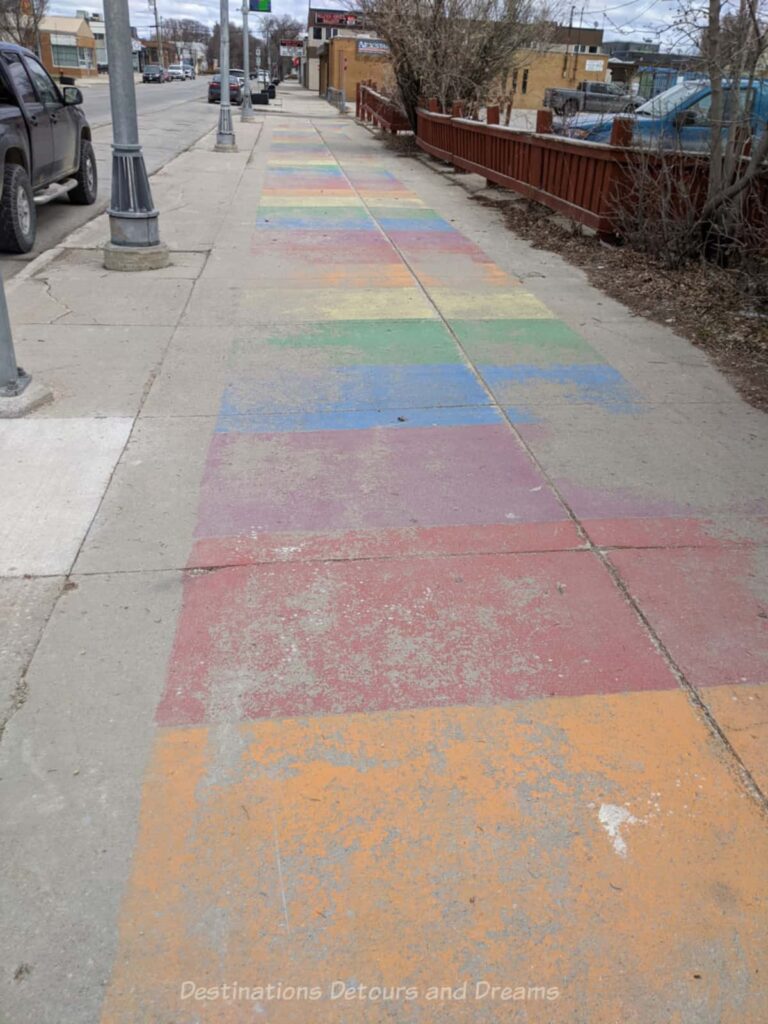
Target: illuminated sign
<point x="339" y="18"/>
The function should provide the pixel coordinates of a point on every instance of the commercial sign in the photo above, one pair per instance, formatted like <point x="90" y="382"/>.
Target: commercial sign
<point x="341" y="19"/>
<point x="594" y="65"/>
<point x="260" y="6"/>
<point x="291" y="48"/>
<point x="372" y="48"/>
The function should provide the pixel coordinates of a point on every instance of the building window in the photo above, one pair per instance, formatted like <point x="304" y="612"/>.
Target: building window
<point x="64" y="56"/>
<point x="524" y="89"/>
<point x="317" y="33"/>
<point x="85" y="57"/>
<point x="64" y="49"/>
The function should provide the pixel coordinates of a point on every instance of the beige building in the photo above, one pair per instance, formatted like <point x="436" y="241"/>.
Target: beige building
<point x="67" y="46"/>
<point x="539" y="70"/>
<point x="344" y="62"/>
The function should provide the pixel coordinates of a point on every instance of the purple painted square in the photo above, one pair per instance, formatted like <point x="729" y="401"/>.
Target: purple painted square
<point x="370" y="479"/>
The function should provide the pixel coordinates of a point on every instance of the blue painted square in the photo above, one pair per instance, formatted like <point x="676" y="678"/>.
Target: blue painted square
<point x="592" y="384"/>
<point x="354" y="393"/>
<point x="361" y="419"/>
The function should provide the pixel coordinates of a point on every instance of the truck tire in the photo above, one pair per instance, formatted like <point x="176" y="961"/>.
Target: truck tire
<point x="18" y="214"/>
<point x="84" y="193"/>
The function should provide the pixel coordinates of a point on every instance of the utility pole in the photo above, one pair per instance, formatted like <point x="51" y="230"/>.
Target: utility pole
<point x="133" y="220"/>
<point x="246" y="110"/>
<point x="225" y="136"/>
<point x="158" y="37"/>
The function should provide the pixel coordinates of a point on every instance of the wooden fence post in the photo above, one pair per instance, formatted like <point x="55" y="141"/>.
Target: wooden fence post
<point x="491" y="115"/>
<point x="621" y="132"/>
<point x="457" y="110"/>
<point x="432" y="105"/>
<point x="544" y="122"/>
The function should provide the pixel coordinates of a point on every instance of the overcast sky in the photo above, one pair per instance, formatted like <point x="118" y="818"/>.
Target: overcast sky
<point x="631" y="19"/>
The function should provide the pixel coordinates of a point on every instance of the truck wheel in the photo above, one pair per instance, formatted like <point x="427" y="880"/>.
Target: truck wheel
<point x="84" y="193"/>
<point x="18" y="214"/>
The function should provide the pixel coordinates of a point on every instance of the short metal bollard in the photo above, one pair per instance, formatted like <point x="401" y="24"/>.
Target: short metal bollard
<point x="13" y="380"/>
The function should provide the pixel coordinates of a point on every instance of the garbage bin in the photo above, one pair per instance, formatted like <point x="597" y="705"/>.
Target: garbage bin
<point x="271" y="92"/>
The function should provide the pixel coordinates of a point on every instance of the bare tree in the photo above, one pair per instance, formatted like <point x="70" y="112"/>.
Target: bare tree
<point x="274" y="29"/>
<point x="453" y="49"/>
<point x="733" y="38"/>
<point x="20" y="21"/>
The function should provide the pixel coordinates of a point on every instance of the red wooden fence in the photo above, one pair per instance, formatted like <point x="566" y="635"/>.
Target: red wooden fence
<point x="575" y="178"/>
<point x="372" y="107"/>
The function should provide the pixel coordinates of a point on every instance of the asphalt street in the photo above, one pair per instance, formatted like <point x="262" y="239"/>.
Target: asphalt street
<point x="172" y="117"/>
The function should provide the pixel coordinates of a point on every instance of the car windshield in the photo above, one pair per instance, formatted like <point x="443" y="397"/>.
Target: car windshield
<point x="216" y="79"/>
<point x="661" y="105"/>
<point x="151" y="67"/>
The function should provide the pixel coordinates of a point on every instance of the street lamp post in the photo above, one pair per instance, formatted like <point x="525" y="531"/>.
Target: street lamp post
<point x="133" y="220"/>
<point x="225" y="136"/>
<point x="246" y="110"/>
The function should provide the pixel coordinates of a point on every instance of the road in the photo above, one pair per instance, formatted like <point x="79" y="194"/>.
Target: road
<point x="171" y="118"/>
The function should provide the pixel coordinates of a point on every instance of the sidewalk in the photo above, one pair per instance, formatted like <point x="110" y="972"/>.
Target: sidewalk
<point x="387" y="622"/>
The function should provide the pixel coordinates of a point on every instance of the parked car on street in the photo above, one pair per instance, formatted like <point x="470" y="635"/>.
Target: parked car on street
<point x="235" y="89"/>
<point x="45" y="146"/>
<point x="610" y="97"/>
<point x="678" y="118"/>
<point x="176" y="72"/>
<point x="189" y="71"/>
<point x="154" y="73"/>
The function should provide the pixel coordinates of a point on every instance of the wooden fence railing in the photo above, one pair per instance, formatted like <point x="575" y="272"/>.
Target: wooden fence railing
<point x="586" y="181"/>
<point x="372" y="107"/>
<point x="575" y="178"/>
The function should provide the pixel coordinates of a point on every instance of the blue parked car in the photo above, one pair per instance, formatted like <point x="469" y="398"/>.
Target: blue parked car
<point x="676" y="119"/>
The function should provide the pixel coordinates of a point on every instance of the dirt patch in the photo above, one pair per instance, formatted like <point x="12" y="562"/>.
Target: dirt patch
<point x="704" y="303"/>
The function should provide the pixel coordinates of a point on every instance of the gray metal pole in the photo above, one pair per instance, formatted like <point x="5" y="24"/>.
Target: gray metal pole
<point x="132" y="214"/>
<point x="13" y="380"/>
<point x="246" y="111"/>
<point x="225" y="136"/>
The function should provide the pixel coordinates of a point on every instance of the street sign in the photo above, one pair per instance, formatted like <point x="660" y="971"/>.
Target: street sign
<point x="260" y="6"/>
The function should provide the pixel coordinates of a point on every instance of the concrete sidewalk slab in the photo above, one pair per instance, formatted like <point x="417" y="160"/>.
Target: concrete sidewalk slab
<point x="47" y="505"/>
<point x="353" y="844"/>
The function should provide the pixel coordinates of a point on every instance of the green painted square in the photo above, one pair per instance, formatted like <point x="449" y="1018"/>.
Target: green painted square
<point x="532" y="342"/>
<point x="374" y="342"/>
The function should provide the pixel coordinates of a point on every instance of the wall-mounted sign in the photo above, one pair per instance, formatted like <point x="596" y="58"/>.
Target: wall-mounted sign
<point x="291" y="51"/>
<point x="594" y="65"/>
<point x="372" y="48"/>
<point x="338" y="18"/>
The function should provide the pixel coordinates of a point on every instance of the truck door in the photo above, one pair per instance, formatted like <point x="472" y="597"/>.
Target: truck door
<point x="37" y="118"/>
<point x="64" y="126"/>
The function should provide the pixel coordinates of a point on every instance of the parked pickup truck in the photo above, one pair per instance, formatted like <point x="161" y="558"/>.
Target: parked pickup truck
<point x="609" y="97"/>
<point x="45" y="146"/>
<point x="680" y="117"/>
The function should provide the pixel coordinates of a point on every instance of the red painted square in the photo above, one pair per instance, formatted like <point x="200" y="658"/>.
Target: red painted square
<point x="300" y="638"/>
<point x="709" y="607"/>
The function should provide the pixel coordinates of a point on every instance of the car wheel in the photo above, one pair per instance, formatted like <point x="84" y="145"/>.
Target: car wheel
<point x="18" y="213"/>
<point x="84" y="193"/>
